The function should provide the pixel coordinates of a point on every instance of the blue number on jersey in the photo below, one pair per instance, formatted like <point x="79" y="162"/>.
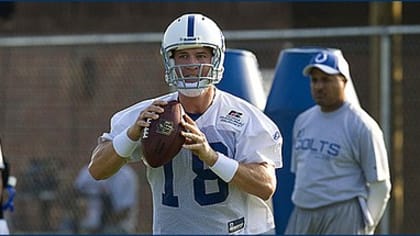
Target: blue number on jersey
<point x="203" y="175"/>
<point x="168" y="197"/>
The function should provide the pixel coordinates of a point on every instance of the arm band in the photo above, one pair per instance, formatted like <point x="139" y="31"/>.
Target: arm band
<point x="225" y="167"/>
<point x="123" y="145"/>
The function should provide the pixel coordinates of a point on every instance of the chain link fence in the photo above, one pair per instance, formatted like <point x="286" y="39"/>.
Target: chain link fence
<point x="58" y="93"/>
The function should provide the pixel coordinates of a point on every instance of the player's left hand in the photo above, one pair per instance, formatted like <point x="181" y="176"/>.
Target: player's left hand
<point x="196" y="141"/>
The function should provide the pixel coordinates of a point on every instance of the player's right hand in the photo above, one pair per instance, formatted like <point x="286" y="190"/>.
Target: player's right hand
<point x="143" y="120"/>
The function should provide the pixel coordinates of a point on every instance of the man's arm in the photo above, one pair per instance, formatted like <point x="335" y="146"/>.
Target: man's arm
<point x="258" y="179"/>
<point x="105" y="161"/>
<point x="109" y="156"/>
<point x="379" y="194"/>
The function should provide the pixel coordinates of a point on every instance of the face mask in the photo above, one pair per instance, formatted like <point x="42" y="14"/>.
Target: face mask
<point x="191" y="92"/>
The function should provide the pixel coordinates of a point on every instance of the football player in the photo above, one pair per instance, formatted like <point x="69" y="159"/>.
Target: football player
<point x="220" y="181"/>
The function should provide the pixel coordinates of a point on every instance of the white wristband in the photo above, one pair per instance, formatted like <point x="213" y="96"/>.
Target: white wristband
<point x="225" y="167"/>
<point x="123" y="145"/>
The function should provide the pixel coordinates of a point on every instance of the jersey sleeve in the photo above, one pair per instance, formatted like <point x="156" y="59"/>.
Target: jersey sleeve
<point x="261" y="141"/>
<point x="121" y="121"/>
<point x="373" y="153"/>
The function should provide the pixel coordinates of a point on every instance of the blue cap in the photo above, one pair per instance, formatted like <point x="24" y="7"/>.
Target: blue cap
<point x="331" y="62"/>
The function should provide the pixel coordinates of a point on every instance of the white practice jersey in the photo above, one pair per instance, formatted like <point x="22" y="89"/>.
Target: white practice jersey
<point x="335" y="154"/>
<point x="188" y="197"/>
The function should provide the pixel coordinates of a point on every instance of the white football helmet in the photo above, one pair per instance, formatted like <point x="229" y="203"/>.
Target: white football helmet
<point x="191" y="31"/>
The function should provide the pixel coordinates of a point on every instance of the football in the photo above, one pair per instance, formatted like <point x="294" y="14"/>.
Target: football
<point x="162" y="140"/>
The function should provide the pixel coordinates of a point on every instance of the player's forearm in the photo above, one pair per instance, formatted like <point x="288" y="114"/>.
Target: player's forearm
<point x="257" y="179"/>
<point x="105" y="161"/>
